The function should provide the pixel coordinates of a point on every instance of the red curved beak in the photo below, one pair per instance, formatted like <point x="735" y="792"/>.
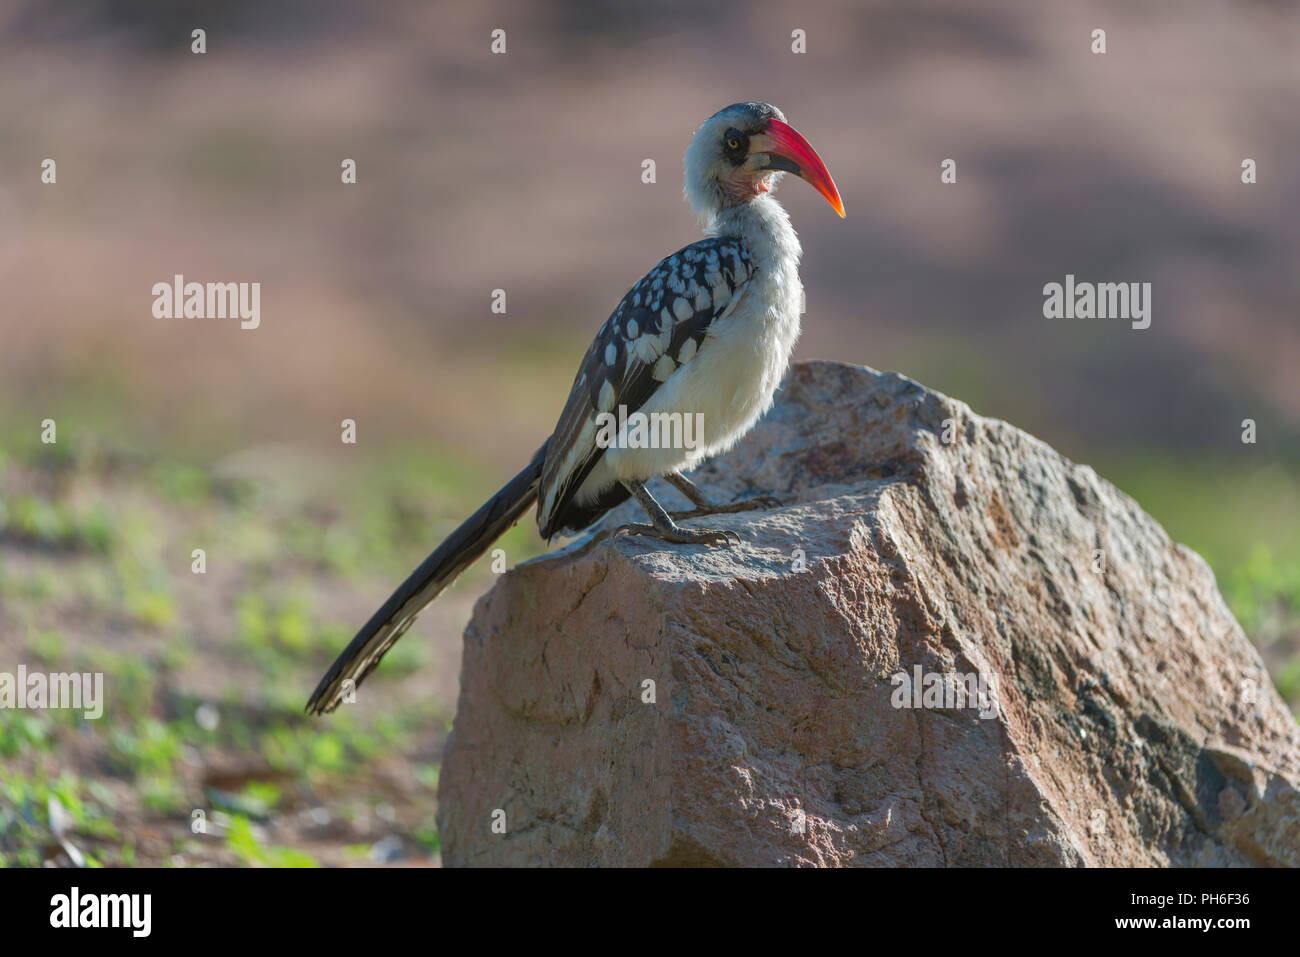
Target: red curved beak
<point x="794" y="154"/>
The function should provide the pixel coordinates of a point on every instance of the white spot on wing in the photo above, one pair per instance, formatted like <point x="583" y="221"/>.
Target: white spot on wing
<point x="645" y="349"/>
<point x="662" y="340"/>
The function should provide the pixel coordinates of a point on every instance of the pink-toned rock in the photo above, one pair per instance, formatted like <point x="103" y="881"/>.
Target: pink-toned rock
<point x="627" y="702"/>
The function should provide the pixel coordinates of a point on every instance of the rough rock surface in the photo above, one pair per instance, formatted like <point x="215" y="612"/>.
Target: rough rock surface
<point x="1133" y="721"/>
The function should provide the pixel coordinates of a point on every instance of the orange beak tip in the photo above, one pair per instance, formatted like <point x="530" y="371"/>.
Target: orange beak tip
<point x="790" y="144"/>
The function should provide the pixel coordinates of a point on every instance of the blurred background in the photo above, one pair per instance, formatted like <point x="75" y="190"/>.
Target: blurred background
<point x="522" y="172"/>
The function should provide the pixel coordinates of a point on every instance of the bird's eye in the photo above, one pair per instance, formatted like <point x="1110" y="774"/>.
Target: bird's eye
<point x="733" y="143"/>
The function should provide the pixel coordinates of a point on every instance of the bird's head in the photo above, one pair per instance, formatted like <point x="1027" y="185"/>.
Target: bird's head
<point x="740" y="153"/>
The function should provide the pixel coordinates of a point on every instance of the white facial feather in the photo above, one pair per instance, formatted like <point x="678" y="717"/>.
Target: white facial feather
<point x="705" y="162"/>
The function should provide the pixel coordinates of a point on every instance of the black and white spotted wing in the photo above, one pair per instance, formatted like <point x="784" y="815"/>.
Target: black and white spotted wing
<point x="660" y="325"/>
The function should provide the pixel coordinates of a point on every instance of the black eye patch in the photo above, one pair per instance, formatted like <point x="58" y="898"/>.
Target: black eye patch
<point x="735" y="145"/>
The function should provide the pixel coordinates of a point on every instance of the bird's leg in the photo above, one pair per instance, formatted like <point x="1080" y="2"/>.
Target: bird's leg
<point x="662" y="526"/>
<point x="704" y="507"/>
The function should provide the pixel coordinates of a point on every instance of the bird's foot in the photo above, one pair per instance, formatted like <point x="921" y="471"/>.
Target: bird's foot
<point x="744" y="505"/>
<point x="681" y="536"/>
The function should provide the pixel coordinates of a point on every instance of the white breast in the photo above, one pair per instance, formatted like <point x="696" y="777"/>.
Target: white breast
<point x="733" y="377"/>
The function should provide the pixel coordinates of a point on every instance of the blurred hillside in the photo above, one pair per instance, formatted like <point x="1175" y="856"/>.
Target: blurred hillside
<point x="522" y="172"/>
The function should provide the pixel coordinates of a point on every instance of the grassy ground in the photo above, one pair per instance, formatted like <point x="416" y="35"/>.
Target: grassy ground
<point x="206" y="674"/>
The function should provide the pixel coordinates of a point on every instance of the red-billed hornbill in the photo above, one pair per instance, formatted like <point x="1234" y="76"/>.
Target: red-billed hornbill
<point x="709" y="330"/>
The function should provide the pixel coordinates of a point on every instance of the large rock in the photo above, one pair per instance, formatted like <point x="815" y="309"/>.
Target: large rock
<point x="1129" y="719"/>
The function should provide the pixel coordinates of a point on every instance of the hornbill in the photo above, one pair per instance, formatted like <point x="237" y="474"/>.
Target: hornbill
<point x="708" y="331"/>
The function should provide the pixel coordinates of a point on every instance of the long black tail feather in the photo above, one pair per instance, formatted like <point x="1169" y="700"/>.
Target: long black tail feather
<point x="461" y="549"/>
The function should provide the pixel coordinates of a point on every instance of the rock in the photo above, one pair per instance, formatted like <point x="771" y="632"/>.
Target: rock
<point x="1128" y="720"/>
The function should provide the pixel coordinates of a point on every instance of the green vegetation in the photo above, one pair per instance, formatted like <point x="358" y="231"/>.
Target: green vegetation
<point x="243" y="840"/>
<point x="96" y="574"/>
